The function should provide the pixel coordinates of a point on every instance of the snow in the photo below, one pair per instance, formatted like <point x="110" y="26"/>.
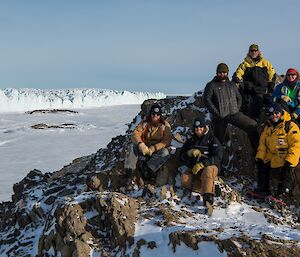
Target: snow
<point x="23" y="148"/>
<point x="13" y="99"/>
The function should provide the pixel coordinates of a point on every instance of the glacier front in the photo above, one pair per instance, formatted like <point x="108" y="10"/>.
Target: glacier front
<point x="26" y="99"/>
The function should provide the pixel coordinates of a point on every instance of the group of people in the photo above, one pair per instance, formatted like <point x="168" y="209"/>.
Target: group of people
<point x="242" y="102"/>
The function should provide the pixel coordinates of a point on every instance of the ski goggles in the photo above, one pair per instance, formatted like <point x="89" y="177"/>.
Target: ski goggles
<point x="198" y="124"/>
<point x="156" y="111"/>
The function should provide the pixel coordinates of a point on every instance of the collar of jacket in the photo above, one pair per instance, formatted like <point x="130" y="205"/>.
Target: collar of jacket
<point x="250" y="60"/>
<point x="216" y="79"/>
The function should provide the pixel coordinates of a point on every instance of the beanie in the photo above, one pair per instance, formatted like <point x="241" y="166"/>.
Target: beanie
<point x="275" y="107"/>
<point x="200" y="122"/>
<point x="222" y="67"/>
<point x="156" y="108"/>
<point x="292" y="71"/>
<point x="254" y="47"/>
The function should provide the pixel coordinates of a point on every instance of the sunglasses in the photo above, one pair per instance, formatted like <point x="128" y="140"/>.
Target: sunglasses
<point x="273" y="113"/>
<point x="292" y="75"/>
<point x="253" y="50"/>
<point x="198" y="125"/>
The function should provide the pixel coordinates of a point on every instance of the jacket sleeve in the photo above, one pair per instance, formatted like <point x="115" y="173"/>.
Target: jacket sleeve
<point x="271" y="71"/>
<point x="166" y="139"/>
<point x="276" y="95"/>
<point x="240" y="71"/>
<point x="183" y="152"/>
<point x="216" y="154"/>
<point x="208" y="100"/>
<point x="293" y="139"/>
<point x="137" y="134"/>
<point x="238" y="98"/>
<point x="262" y="148"/>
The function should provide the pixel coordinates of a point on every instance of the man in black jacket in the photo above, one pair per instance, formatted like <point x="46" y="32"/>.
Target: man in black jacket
<point x="223" y="100"/>
<point x="203" y="154"/>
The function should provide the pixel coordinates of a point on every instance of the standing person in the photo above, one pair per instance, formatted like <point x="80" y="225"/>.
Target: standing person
<point x="203" y="154"/>
<point x="150" y="141"/>
<point x="256" y="77"/>
<point x="278" y="151"/>
<point x="287" y="94"/>
<point x="223" y="100"/>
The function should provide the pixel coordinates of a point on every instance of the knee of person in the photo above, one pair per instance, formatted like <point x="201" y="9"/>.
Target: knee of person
<point x="209" y="172"/>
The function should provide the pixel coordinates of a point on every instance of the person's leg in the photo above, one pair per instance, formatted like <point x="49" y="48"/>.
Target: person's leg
<point x="219" y="127"/>
<point x="263" y="177"/>
<point x="208" y="177"/>
<point x="249" y="125"/>
<point x="191" y="181"/>
<point x="256" y="106"/>
<point x="158" y="159"/>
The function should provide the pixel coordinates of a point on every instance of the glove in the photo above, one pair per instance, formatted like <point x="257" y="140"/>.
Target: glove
<point x="286" y="98"/>
<point x="197" y="167"/>
<point x="151" y="150"/>
<point x="144" y="149"/>
<point x="295" y="115"/>
<point x="194" y="153"/>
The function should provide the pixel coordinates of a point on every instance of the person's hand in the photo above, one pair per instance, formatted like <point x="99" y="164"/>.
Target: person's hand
<point x="144" y="149"/>
<point x="295" y="115"/>
<point x="151" y="150"/>
<point x="194" y="153"/>
<point x="286" y="98"/>
<point x="197" y="167"/>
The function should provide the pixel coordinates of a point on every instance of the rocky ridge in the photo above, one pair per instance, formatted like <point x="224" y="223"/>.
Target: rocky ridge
<point x="87" y="209"/>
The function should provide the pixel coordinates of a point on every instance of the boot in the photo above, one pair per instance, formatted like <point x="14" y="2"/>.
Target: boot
<point x="208" y="200"/>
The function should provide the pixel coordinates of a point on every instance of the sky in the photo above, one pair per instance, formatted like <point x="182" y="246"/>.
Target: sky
<point x="169" y="46"/>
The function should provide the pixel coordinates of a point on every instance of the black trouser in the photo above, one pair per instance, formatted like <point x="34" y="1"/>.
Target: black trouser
<point x="263" y="177"/>
<point x="241" y="121"/>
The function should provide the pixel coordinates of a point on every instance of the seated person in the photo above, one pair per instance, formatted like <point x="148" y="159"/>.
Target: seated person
<point x="150" y="141"/>
<point x="287" y="94"/>
<point x="203" y="154"/>
<point x="278" y="151"/>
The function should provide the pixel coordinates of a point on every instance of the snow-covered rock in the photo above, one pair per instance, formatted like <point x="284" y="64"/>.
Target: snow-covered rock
<point x="13" y="99"/>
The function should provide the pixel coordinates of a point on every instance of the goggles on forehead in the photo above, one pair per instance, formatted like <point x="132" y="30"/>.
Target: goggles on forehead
<point x="272" y="111"/>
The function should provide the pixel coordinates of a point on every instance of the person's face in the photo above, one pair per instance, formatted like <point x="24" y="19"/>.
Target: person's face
<point x="275" y="116"/>
<point x="291" y="77"/>
<point x="200" y="131"/>
<point x="155" y="117"/>
<point x="253" y="53"/>
<point x="222" y="75"/>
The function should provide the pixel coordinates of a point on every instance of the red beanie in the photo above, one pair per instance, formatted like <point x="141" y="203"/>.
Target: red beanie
<point x="292" y="71"/>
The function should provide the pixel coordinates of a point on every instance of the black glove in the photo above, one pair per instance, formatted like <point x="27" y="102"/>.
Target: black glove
<point x="235" y="79"/>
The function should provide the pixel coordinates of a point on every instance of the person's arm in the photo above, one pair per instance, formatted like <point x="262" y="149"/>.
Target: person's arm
<point x="276" y="95"/>
<point x="262" y="148"/>
<point x="208" y="100"/>
<point x="240" y="71"/>
<point x="137" y="134"/>
<point x="271" y="71"/>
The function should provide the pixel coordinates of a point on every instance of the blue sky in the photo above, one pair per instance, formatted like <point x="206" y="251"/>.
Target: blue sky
<point x="160" y="45"/>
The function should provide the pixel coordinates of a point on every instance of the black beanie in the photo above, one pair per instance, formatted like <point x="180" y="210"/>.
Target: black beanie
<point x="200" y="122"/>
<point x="222" y="67"/>
<point x="155" y="108"/>
<point x="275" y="107"/>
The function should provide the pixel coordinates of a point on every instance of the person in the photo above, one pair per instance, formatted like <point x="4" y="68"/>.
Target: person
<point x="287" y="94"/>
<point x="256" y="77"/>
<point x="223" y="100"/>
<point x="278" y="151"/>
<point x="203" y="154"/>
<point x="150" y="140"/>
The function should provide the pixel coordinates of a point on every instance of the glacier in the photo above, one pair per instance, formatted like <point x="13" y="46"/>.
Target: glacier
<point x="26" y="99"/>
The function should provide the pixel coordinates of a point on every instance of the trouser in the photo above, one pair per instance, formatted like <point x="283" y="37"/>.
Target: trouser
<point x="203" y="182"/>
<point x="283" y="174"/>
<point x="241" y="121"/>
<point x="256" y="106"/>
<point x="154" y="162"/>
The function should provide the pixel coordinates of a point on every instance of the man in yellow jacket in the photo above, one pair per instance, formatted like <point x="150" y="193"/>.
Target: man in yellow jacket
<point x="150" y="141"/>
<point x="278" y="150"/>
<point x="256" y="76"/>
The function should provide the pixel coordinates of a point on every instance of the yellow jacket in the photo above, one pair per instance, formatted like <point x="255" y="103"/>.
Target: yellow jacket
<point x="249" y="63"/>
<point x="159" y="136"/>
<point x="277" y="146"/>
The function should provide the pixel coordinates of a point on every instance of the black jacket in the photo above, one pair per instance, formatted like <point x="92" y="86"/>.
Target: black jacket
<point x="222" y="98"/>
<point x="209" y="145"/>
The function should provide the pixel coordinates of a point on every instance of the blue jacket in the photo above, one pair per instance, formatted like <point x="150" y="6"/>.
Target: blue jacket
<point x="283" y="89"/>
